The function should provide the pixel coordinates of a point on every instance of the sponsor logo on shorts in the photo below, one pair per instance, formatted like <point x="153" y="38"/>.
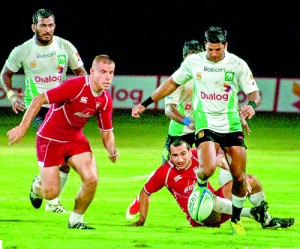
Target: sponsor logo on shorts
<point x="200" y="134"/>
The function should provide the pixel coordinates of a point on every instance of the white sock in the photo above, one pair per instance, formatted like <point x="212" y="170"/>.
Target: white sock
<point x="222" y="205"/>
<point x="53" y="202"/>
<point x="256" y="199"/>
<point x="238" y="201"/>
<point x="246" y="213"/>
<point x="63" y="177"/>
<point x="75" y="218"/>
<point x="33" y="188"/>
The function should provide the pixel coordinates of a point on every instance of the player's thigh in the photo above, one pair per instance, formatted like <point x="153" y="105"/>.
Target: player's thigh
<point x="84" y="164"/>
<point x="207" y="154"/>
<point x="50" y="178"/>
<point x="238" y="159"/>
<point x="227" y="190"/>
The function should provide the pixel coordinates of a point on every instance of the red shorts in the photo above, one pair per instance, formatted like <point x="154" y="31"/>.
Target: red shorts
<point x="52" y="153"/>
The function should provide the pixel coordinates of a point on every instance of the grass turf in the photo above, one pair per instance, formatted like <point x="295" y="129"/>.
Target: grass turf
<point x="273" y="156"/>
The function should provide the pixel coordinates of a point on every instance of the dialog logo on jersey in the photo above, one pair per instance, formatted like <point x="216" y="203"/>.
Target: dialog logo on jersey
<point x="48" y="79"/>
<point x="227" y="87"/>
<point x="214" y="96"/>
<point x="60" y="69"/>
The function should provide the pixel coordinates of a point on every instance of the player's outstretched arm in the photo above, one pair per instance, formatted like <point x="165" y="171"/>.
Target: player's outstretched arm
<point x="16" y="134"/>
<point x="144" y="199"/>
<point x="162" y="91"/>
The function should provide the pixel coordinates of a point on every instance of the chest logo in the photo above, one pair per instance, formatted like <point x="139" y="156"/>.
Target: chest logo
<point x="61" y="59"/>
<point x="229" y="76"/>
<point x="84" y="100"/>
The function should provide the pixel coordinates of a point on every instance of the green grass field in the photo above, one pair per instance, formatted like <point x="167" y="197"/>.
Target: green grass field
<point x="273" y="156"/>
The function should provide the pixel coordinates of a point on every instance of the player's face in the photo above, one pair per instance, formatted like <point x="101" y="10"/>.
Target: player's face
<point x="44" y="30"/>
<point x="215" y="51"/>
<point x="102" y="75"/>
<point x="180" y="156"/>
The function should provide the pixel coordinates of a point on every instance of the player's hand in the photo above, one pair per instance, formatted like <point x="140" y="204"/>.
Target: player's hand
<point x="16" y="134"/>
<point x="17" y="103"/>
<point x="192" y="125"/>
<point x="245" y="126"/>
<point x="138" y="223"/>
<point x="137" y="110"/>
<point x="114" y="156"/>
<point x="249" y="188"/>
<point x="247" y="111"/>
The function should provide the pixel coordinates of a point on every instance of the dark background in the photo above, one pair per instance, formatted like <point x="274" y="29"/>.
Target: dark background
<point x="146" y="38"/>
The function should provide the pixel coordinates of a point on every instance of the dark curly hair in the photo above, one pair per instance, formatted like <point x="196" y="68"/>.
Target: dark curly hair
<point x="191" y="47"/>
<point x="215" y="35"/>
<point x="44" y="13"/>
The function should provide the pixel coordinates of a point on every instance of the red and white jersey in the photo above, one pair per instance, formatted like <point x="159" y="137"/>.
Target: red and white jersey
<point x="180" y="183"/>
<point x="72" y="104"/>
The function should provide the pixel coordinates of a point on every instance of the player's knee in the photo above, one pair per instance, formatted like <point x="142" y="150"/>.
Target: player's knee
<point x="91" y="182"/>
<point x="207" y="171"/>
<point x="50" y="193"/>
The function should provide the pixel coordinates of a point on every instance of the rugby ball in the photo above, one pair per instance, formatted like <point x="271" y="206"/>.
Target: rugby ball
<point x="200" y="203"/>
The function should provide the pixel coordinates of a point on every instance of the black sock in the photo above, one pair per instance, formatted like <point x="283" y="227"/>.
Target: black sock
<point x="236" y="214"/>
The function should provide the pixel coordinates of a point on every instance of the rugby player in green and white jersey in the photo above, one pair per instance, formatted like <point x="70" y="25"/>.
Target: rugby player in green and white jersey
<point x="218" y="77"/>
<point x="45" y="59"/>
<point x="178" y="107"/>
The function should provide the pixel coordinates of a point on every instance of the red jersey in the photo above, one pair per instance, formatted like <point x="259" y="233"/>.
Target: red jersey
<point x="73" y="103"/>
<point x="180" y="184"/>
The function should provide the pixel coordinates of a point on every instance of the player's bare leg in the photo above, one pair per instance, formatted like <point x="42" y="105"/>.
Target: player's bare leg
<point x="55" y="204"/>
<point x="239" y="186"/>
<point x="207" y="162"/>
<point x="85" y="165"/>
